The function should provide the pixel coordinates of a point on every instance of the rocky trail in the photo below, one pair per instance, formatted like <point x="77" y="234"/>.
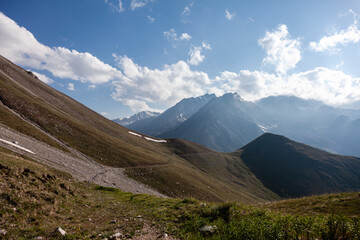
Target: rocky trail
<point x="75" y="163"/>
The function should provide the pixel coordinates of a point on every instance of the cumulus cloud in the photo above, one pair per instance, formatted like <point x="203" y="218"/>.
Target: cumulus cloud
<point x="229" y="16"/>
<point x="329" y="86"/>
<point x="171" y="35"/>
<point x="151" y="19"/>
<point x="185" y="36"/>
<point x="342" y="37"/>
<point x="137" y="4"/>
<point x="43" y="77"/>
<point x="281" y="49"/>
<point x="173" y="38"/>
<point x="195" y="54"/>
<point x="141" y="85"/>
<point x="21" y="47"/>
<point x="71" y="87"/>
<point x="115" y="5"/>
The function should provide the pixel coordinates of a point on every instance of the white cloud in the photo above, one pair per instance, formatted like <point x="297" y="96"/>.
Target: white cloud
<point x="185" y="36"/>
<point x="137" y="4"/>
<point x="92" y="86"/>
<point x="21" y="47"/>
<point x="171" y="35"/>
<point x="229" y="16"/>
<point x="206" y="46"/>
<point x="43" y="77"/>
<point x="115" y="5"/>
<point x="151" y="20"/>
<point x="104" y="113"/>
<point x="342" y="37"/>
<point x="71" y="87"/>
<point x="330" y="86"/>
<point x="195" y="54"/>
<point x="186" y="13"/>
<point x="281" y="50"/>
<point x="141" y="85"/>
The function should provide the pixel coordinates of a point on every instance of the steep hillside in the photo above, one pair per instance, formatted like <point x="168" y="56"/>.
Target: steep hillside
<point x="292" y="169"/>
<point x="172" y="117"/>
<point x="60" y="121"/>
<point x="224" y="124"/>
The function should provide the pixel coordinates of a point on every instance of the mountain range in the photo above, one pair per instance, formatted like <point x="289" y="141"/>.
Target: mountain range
<point x="270" y="167"/>
<point x="136" y="117"/>
<point x="228" y="122"/>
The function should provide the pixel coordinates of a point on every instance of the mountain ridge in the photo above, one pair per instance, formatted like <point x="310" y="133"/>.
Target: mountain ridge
<point x="293" y="169"/>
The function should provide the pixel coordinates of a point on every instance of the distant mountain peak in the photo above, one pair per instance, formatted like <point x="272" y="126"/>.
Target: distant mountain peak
<point x="174" y="116"/>
<point x="232" y="96"/>
<point x="136" y="117"/>
<point x="272" y="136"/>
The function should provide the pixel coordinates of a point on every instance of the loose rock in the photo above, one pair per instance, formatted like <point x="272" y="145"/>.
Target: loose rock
<point x="208" y="229"/>
<point x="116" y="236"/>
<point x="61" y="231"/>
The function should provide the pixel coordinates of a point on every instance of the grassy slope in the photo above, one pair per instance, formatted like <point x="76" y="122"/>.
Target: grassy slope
<point x="35" y="200"/>
<point x="108" y="143"/>
<point x="223" y="167"/>
<point x="292" y="169"/>
<point x="16" y="122"/>
<point x="345" y="203"/>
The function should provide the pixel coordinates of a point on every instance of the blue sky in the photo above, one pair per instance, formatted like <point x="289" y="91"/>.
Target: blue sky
<point x="120" y="57"/>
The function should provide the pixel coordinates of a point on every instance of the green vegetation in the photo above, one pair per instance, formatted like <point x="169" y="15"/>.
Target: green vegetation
<point x="347" y="204"/>
<point x="35" y="200"/>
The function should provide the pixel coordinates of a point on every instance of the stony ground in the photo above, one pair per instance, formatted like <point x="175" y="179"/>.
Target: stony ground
<point x="78" y="165"/>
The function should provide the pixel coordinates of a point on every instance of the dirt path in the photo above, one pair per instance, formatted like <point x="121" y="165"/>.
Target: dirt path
<point x="78" y="165"/>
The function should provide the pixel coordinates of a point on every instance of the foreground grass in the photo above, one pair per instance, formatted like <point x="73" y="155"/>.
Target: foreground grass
<point x="35" y="200"/>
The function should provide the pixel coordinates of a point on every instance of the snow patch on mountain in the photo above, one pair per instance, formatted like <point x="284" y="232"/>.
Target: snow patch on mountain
<point x="147" y="138"/>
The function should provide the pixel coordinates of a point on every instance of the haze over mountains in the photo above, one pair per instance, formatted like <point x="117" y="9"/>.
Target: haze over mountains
<point x="227" y="122"/>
